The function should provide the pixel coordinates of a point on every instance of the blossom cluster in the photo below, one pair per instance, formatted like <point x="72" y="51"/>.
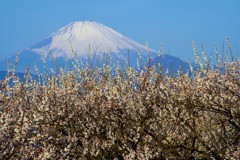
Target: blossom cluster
<point x="122" y="113"/>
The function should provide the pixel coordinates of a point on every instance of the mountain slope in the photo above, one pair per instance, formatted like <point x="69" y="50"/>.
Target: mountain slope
<point x="90" y="40"/>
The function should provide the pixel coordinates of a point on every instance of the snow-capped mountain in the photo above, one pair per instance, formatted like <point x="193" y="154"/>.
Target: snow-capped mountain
<point x="86" y="38"/>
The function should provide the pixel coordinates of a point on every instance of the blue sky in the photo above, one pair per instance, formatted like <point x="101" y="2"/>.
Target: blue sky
<point x="175" y="23"/>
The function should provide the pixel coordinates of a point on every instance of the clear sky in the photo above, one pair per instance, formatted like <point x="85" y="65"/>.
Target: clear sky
<point x="175" y="23"/>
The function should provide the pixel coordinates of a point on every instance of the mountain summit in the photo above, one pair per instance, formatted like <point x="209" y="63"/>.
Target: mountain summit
<point x="85" y="36"/>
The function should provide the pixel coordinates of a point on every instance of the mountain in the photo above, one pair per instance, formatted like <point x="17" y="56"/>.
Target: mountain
<point x="82" y="35"/>
<point x="91" y="41"/>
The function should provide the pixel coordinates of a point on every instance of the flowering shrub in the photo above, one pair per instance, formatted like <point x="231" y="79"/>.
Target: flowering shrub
<point x="117" y="113"/>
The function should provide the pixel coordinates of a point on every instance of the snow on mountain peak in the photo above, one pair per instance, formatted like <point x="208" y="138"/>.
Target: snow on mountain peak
<point x="82" y="35"/>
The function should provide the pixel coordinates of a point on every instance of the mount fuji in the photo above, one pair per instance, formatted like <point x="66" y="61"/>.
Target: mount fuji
<point x="90" y="41"/>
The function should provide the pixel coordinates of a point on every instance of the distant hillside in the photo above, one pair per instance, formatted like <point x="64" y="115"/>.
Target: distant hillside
<point x="3" y="74"/>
